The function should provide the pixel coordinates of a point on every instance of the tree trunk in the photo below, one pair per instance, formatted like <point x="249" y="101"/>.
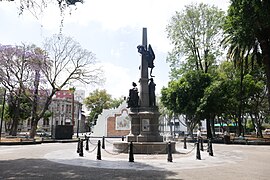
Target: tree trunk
<point x="34" y="106"/>
<point x="33" y="129"/>
<point x="212" y="122"/>
<point x="208" y="128"/>
<point x="16" y="115"/>
<point x="265" y="46"/>
<point x="240" y="128"/>
<point x="258" y="125"/>
<point x="14" y="127"/>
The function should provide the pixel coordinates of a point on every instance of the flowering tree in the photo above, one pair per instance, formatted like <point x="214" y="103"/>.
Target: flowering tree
<point x="18" y="65"/>
<point x="26" y="71"/>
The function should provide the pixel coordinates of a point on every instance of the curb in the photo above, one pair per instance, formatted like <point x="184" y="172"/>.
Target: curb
<point x="38" y="142"/>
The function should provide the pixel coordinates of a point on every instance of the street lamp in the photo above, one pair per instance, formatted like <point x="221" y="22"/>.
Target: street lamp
<point x="79" y="119"/>
<point x="2" y="116"/>
<point x="72" y="90"/>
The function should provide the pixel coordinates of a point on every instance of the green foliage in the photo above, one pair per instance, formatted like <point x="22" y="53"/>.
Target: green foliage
<point x="99" y="100"/>
<point x="116" y="102"/>
<point x="195" y="33"/>
<point x="183" y="96"/>
<point x="221" y="97"/>
<point x="247" y="29"/>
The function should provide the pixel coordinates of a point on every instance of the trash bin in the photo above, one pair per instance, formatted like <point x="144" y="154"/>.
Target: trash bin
<point x="227" y="139"/>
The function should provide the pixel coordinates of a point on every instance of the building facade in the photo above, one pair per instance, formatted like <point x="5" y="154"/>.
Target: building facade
<point x="61" y="109"/>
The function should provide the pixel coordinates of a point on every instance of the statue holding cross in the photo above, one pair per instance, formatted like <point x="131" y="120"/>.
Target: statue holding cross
<point x="148" y="55"/>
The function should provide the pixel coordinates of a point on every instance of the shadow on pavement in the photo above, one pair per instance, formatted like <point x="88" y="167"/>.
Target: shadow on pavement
<point x="44" y="169"/>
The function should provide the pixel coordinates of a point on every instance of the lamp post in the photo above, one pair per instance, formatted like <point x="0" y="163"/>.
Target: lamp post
<point x="72" y="90"/>
<point x="52" y="122"/>
<point x="2" y="116"/>
<point x="79" y="119"/>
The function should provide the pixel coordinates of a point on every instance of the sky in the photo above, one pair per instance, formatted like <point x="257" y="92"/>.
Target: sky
<point x="111" y="29"/>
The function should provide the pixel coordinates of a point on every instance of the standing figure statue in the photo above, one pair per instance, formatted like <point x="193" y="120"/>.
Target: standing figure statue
<point x="149" y="55"/>
<point x="152" y="96"/>
<point x="133" y="99"/>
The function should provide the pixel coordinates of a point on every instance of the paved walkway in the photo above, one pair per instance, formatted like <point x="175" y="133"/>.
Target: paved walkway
<point x="60" y="161"/>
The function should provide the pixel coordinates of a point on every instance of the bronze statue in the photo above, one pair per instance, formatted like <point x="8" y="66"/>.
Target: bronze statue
<point x="152" y="96"/>
<point x="133" y="99"/>
<point x="149" y="55"/>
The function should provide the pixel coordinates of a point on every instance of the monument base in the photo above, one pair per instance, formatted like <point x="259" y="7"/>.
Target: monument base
<point x="144" y="138"/>
<point x="144" y="147"/>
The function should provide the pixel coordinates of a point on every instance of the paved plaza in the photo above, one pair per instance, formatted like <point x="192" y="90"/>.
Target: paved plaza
<point x="61" y="161"/>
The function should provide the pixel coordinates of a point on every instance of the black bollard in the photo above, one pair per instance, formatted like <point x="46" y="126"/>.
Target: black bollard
<point x="98" y="151"/>
<point x="169" y="152"/>
<point x="87" y="143"/>
<point x="210" y="148"/>
<point x="198" y="154"/>
<point x="131" y="155"/>
<point x="185" y="142"/>
<point x="103" y="142"/>
<point x="201" y="144"/>
<point x="81" y="148"/>
<point x="78" y="146"/>
<point x="123" y="138"/>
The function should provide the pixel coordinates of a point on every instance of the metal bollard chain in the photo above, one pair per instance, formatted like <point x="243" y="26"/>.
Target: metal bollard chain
<point x="92" y="142"/>
<point x="92" y="150"/>
<point x="189" y="151"/>
<point x="108" y="141"/>
<point x="116" y="153"/>
<point x="112" y="153"/>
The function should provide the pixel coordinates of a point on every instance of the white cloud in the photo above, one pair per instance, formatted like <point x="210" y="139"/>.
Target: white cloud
<point x="111" y="16"/>
<point x="118" y="80"/>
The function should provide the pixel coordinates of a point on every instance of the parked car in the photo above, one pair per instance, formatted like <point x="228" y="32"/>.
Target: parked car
<point x="267" y="131"/>
<point x="43" y="134"/>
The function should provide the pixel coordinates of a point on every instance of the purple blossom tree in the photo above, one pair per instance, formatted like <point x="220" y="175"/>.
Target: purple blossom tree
<point x="29" y="70"/>
<point x="17" y="66"/>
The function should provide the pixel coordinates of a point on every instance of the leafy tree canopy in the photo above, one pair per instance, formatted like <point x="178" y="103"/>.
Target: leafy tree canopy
<point x="195" y="34"/>
<point x="99" y="100"/>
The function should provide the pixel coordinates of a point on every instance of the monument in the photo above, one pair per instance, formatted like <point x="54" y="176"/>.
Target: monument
<point x="144" y="113"/>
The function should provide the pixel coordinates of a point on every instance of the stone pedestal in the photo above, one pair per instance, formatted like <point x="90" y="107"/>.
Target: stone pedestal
<point x="144" y="125"/>
<point x="143" y="147"/>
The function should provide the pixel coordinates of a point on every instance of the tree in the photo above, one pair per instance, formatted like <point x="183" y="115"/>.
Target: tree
<point x="99" y="100"/>
<point x="16" y="68"/>
<point x="220" y="100"/>
<point x="247" y="26"/>
<point x="183" y="96"/>
<point x="196" y="34"/>
<point x="29" y="72"/>
<point x="69" y="63"/>
<point x="255" y="102"/>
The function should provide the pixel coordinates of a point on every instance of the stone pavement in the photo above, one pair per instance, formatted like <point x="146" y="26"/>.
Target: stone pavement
<point x="61" y="161"/>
